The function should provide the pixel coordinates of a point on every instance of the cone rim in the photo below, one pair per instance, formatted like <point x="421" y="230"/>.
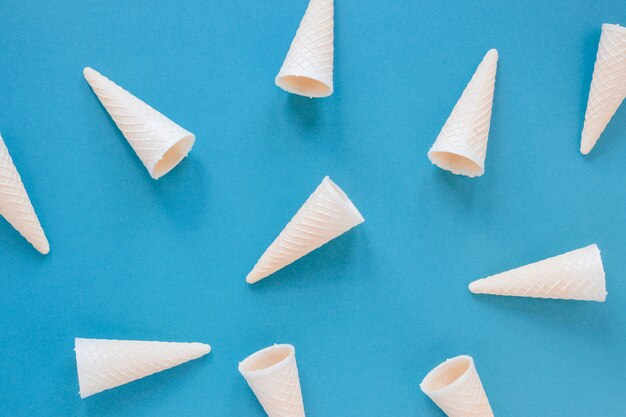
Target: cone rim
<point x="173" y="155"/>
<point x="313" y="86"/>
<point x="258" y="355"/>
<point x="456" y="162"/>
<point x="444" y="367"/>
<point x="343" y="197"/>
<point x="81" y="392"/>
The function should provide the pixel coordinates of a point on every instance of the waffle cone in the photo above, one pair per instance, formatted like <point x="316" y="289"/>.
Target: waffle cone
<point x="103" y="364"/>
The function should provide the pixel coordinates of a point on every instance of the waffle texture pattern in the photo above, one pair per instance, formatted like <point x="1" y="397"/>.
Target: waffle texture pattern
<point x="326" y="214"/>
<point x="149" y="133"/>
<point x="608" y="86"/>
<point x="461" y="146"/>
<point x="15" y="206"/>
<point x="457" y="395"/>
<point x="277" y="387"/>
<point x="311" y="52"/>
<point x="104" y="364"/>
<point x="575" y="275"/>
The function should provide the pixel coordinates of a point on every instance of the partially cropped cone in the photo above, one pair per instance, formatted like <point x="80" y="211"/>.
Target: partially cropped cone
<point x="15" y="206"/>
<point x="272" y="374"/>
<point x="575" y="275"/>
<point x="608" y="86"/>
<point x="326" y="214"/>
<point x="104" y="364"/>
<point x="308" y="67"/>
<point x="456" y="388"/>
<point x="461" y="146"/>
<point x="160" y="143"/>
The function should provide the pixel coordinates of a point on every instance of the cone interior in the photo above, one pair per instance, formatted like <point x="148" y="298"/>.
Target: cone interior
<point x="304" y="86"/>
<point x="173" y="156"/>
<point x="446" y="374"/>
<point x="266" y="358"/>
<point x="456" y="163"/>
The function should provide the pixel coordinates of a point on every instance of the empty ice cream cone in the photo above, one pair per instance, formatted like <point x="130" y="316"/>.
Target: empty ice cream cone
<point x="15" y="206"/>
<point x="608" y="86"/>
<point x="272" y="374"/>
<point x="159" y="142"/>
<point x="575" y="275"/>
<point x="461" y="146"/>
<point x="308" y="67"/>
<point x="456" y="388"/>
<point x="103" y="364"/>
<point x="326" y="214"/>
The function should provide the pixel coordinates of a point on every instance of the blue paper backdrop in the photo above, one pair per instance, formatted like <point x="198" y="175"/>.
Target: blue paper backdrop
<point x="370" y="313"/>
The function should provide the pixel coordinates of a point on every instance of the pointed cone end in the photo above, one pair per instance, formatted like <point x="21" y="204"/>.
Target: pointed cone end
<point x="492" y="53"/>
<point x="252" y="278"/>
<point x="89" y="72"/>
<point x="586" y="145"/>
<point x="203" y="349"/>
<point x="43" y="247"/>
<point x="476" y="287"/>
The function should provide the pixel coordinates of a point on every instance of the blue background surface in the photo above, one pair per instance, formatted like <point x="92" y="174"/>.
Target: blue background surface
<point x="373" y="311"/>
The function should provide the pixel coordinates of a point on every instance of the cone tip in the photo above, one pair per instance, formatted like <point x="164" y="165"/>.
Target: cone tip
<point x="204" y="349"/>
<point x="493" y="52"/>
<point x="43" y="247"/>
<point x="87" y="71"/>
<point x="586" y="145"/>
<point x="252" y="278"/>
<point x="476" y="287"/>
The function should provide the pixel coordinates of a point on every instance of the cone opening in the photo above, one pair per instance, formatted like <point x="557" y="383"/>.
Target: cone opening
<point x="267" y="358"/>
<point x="446" y="374"/>
<point x="173" y="156"/>
<point x="304" y="86"/>
<point x="456" y="163"/>
<point x="344" y="198"/>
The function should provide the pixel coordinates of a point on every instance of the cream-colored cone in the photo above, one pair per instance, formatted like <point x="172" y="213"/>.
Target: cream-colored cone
<point x="159" y="142"/>
<point x="326" y="214"/>
<point x="104" y="364"/>
<point x="456" y="388"/>
<point x="461" y="146"/>
<point x="575" y="275"/>
<point x="308" y="68"/>
<point x="608" y="86"/>
<point x="272" y="374"/>
<point x="15" y="206"/>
